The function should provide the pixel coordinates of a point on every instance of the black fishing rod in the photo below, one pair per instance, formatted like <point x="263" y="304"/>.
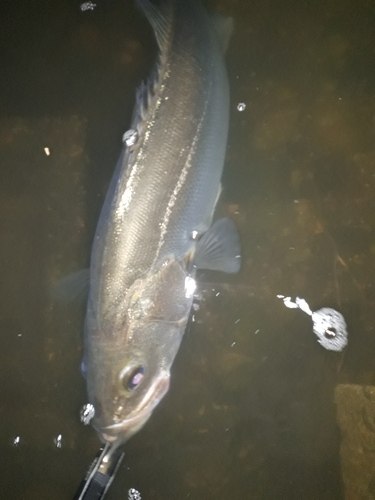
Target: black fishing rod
<point x="100" y="474"/>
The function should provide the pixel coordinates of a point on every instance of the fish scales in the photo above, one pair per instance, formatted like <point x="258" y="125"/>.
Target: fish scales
<point x="160" y="201"/>
<point x="180" y="155"/>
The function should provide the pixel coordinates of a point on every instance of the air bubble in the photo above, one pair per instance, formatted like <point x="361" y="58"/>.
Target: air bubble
<point x="87" y="413"/>
<point x="130" y="137"/>
<point x="58" y="441"/>
<point x="87" y="6"/>
<point x="134" y="494"/>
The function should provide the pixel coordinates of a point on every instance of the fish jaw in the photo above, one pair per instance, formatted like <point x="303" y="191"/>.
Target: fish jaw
<point x="120" y="432"/>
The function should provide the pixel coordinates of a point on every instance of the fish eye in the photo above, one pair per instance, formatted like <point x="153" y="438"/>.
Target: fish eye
<point x="133" y="377"/>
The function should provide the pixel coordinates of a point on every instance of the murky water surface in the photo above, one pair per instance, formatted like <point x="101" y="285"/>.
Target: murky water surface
<point x="251" y="411"/>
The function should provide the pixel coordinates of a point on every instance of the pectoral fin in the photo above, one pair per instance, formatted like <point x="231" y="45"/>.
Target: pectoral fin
<point x="219" y="248"/>
<point x="72" y="288"/>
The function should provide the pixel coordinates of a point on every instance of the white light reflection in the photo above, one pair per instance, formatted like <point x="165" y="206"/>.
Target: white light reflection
<point x="190" y="287"/>
<point x="133" y="494"/>
<point x="304" y="306"/>
<point x="130" y="137"/>
<point x="289" y="303"/>
<point x="87" y="6"/>
<point x="57" y="441"/>
<point x="328" y="324"/>
<point x="87" y="413"/>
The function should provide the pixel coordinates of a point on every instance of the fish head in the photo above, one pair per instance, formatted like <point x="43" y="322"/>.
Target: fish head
<point x="133" y="381"/>
<point x="129" y="369"/>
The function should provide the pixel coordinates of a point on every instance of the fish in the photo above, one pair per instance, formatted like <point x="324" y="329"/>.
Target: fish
<point x="156" y="226"/>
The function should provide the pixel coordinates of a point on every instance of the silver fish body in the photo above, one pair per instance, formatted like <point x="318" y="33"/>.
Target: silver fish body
<point x="159" y="204"/>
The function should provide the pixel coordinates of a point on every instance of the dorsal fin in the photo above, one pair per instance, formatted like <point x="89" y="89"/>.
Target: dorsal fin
<point x="159" y="18"/>
<point x="144" y="95"/>
<point x="223" y="26"/>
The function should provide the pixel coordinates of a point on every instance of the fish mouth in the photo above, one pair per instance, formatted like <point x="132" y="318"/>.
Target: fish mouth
<point x="120" y="432"/>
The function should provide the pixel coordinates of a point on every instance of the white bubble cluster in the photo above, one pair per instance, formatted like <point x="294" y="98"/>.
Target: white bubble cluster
<point x="328" y="324"/>
<point x="133" y="494"/>
<point x="87" y="6"/>
<point x="241" y="106"/>
<point x="87" y="413"/>
<point x="330" y="328"/>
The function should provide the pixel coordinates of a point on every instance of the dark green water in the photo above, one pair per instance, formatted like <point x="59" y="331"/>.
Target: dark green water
<point x="250" y="413"/>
